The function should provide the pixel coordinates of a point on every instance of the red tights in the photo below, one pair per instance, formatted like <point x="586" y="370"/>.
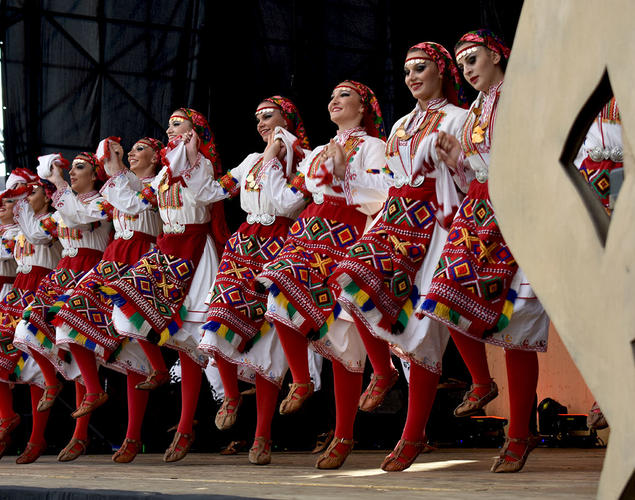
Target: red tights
<point x="347" y="388"/>
<point x="153" y="353"/>
<point x="377" y="349"/>
<point x="191" y="376"/>
<point x="137" y="402"/>
<point x="88" y="367"/>
<point x="295" y="347"/>
<point x="81" y="423"/>
<point x="40" y="418"/>
<point x="229" y="375"/>
<point x="6" y="401"/>
<point x="522" y="378"/>
<point x="421" y="393"/>
<point x="47" y="368"/>
<point x="473" y="353"/>
<point x="266" y="399"/>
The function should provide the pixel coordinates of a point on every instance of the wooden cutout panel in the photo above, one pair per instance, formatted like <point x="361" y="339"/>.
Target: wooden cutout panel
<point x="561" y="52"/>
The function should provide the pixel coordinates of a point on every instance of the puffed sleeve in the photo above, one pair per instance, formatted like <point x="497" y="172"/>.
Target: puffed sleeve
<point x="37" y="230"/>
<point x="286" y="195"/>
<point x="366" y="182"/>
<point x="197" y="178"/>
<point x="127" y="193"/>
<point x="74" y="212"/>
<point x="232" y="181"/>
<point x="7" y="243"/>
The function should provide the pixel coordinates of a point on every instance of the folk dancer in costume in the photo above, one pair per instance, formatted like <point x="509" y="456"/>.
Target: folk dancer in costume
<point x="162" y="298"/>
<point x="349" y="184"/>
<point x="36" y="254"/>
<point x="9" y="355"/>
<point x="84" y="323"/>
<point x="387" y="269"/>
<point x="82" y="224"/>
<point x="273" y="193"/>
<point x="477" y="284"/>
<point x="601" y="154"/>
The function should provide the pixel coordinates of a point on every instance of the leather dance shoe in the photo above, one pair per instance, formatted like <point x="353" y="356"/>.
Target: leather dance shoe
<point x="473" y="403"/>
<point x="260" y="452"/>
<point x="374" y="395"/>
<point x="294" y="400"/>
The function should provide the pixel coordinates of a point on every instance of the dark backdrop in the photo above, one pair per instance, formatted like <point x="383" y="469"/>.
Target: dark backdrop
<point x="76" y="71"/>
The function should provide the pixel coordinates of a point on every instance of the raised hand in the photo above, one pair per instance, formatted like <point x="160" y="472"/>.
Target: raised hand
<point x="191" y="141"/>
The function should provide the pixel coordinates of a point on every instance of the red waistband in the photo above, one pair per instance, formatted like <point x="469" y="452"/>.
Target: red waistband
<point x="85" y="259"/>
<point x="187" y="245"/>
<point x="422" y="192"/>
<point x="336" y="208"/>
<point x="478" y="190"/>
<point x="6" y="279"/>
<point x="279" y="227"/>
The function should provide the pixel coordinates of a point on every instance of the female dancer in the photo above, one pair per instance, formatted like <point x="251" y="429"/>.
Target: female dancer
<point x="9" y="419"/>
<point x="379" y="277"/>
<point x="477" y="283"/>
<point x="161" y="298"/>
<point x="272" y="193"/>
<point x="84" y="323"/>
<point x="36" y="255"/>
<point x="601" y="154"/>
<point x="348" y="183"/>
<point x="82" y="223"/>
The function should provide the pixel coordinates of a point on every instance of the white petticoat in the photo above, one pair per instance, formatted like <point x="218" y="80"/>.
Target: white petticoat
<point x="189" y="335"/>
<point x="341" y="342"/>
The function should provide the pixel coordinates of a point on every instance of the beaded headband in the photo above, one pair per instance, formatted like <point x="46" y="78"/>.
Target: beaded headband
<point x="265" y="109"/>
<point x="416" y="60"/>
<point x="483" y="37"/>
<point x="465" y="52"/>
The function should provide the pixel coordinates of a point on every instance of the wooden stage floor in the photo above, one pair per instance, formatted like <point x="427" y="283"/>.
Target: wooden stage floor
<point x="446" y="473"/>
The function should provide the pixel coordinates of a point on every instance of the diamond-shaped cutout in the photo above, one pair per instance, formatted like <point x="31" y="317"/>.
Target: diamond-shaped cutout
<point x="575" y="139"/>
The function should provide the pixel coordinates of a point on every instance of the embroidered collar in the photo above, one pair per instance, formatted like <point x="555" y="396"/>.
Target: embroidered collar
<point x="84" y="197"/>
<point x="344" y="135"/>
<point x="494" y="89"/>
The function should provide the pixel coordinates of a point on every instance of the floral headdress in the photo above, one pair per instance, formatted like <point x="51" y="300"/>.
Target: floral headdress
<point x="483" y="37"/>
<point x="207" y="146"/>
<point x="452" y="89"/>
<point x="93" y="161"/>
<point x="372" y="121"/>
<point x="291" y="116"/>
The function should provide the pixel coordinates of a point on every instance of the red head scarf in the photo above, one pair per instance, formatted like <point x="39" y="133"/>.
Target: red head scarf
<point x="93" y="161"/>
<point x="372" y="120"/>
<point x="482" y="37"/>
<point x="452" y="88"/>
<point x="207" y="146"/>
<point x="155" y="144"/>
<point x="292" y="117"/>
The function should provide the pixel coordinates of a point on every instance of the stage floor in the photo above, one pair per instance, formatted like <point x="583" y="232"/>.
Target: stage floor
<point x="446" y="473"/>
